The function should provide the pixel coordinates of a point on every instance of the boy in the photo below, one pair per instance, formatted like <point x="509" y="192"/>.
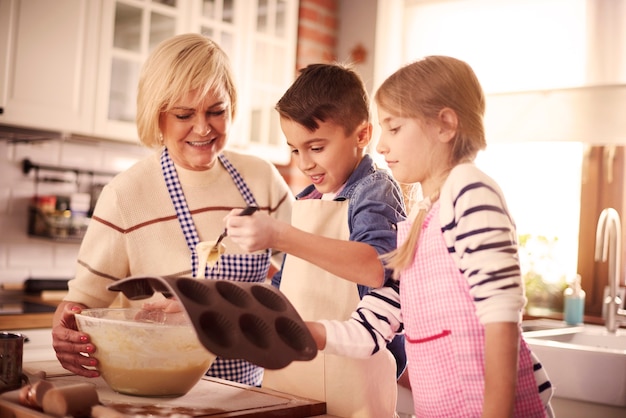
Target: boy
<point x="341" y="224"/>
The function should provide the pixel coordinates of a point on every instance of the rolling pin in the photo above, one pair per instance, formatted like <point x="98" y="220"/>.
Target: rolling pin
<point x="74" y="400"/>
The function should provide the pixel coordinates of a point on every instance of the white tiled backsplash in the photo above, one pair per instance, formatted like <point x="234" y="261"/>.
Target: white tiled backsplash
<point x="22" y="256"/>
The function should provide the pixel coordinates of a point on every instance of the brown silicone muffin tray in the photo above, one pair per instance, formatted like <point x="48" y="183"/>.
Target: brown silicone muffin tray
<point x="235" y="320"/>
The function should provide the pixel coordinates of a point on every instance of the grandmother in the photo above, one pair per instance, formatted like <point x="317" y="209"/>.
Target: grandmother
<point x="149" y="218"/>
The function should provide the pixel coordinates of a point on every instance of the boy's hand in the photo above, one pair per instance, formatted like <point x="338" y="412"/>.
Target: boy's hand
<point x="254" y="232"/>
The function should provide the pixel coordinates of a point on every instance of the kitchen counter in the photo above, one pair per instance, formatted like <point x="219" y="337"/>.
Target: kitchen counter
<point x="27" y="311"/>
<point x="226" y="399"/>
<point x="12" y="322"/>
<point x="211" y="397"/>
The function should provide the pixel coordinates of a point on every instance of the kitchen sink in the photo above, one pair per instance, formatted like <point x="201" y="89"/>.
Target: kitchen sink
<point x="543" y="324"/>
<point x="583" y="337"/>
<point x="585" y="363"/>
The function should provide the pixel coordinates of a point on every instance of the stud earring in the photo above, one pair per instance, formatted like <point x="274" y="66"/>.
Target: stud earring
<point x="161" y="137"/>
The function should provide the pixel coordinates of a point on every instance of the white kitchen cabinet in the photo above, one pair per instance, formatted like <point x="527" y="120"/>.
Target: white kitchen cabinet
<point x="259" y="37"/>
<point x="48" y="63"/>
<point x="73" y="65"/>
<point x="130" y="30"/>
<point x="265" y="66"/>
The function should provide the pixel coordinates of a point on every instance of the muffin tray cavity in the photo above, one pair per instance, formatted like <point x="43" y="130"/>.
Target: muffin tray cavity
<point x="235" y="320"/>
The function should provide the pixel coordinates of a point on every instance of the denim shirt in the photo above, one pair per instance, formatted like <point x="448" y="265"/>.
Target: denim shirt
<point x="375" y="206"/>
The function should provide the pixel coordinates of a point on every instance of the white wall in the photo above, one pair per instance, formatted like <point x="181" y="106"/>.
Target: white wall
<point x="378" y="26"/>
<point x="357" y="26"/>
<point x="22" y="256"/>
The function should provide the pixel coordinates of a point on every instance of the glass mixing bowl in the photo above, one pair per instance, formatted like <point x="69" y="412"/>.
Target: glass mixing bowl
<point x="145" y="353"/>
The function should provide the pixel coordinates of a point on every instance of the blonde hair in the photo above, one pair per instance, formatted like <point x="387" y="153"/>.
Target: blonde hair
<point x="177" y="66"/>
<point x="421" y="90"/>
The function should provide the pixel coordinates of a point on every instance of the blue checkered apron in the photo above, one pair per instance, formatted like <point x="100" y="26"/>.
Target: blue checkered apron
<point x="238" y="267"/>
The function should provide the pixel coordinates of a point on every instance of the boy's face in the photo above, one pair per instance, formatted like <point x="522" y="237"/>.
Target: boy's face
<point x="326" y="156"/>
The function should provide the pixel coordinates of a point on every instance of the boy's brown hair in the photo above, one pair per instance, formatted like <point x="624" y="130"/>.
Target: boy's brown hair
<point x="326" y="92"/>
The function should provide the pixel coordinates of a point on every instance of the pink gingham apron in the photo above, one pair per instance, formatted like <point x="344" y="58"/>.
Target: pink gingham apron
<point x="444" y="339"/>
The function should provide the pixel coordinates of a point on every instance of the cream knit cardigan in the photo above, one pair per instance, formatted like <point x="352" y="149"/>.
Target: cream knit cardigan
<point x="135" y="231"/>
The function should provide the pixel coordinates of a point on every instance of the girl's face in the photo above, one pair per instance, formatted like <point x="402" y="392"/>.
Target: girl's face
<point x="326" y="156"/>
<point x="413" y="149"/>
<point x="195" y="129"/>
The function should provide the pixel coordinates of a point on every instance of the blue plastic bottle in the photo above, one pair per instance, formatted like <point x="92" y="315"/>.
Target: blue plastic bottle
<point x="574" y="303"/>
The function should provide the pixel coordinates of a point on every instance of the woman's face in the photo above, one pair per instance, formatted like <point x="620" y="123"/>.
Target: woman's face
<point x="195" y="129"/>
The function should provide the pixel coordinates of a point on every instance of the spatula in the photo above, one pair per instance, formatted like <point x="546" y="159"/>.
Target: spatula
<point x="249" y="210"/>
<point x="209" y="253"/>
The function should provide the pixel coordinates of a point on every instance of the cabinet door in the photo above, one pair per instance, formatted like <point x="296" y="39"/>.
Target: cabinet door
<point x="130" y="30"/>
<point x="48" y="56"/>
<point x="272" y="54"/>
<point x="259" y="37"/>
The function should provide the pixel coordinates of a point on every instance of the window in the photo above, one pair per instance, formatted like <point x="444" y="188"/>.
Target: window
<point x="555" y="190"/>
<point x="541" y="184"/>
<point x="260" y="37"/>
<point x="495" y="38"/>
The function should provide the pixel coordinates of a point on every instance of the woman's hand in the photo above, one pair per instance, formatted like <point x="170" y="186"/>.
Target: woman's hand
<point x="71" y="346"/>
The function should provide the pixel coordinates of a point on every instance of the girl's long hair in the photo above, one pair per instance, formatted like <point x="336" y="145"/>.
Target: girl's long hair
<point x="402" y="257"/>
<point x="421" y="90"/>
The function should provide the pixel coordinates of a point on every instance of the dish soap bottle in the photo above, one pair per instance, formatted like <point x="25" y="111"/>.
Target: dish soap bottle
<point x="574" y="303"/>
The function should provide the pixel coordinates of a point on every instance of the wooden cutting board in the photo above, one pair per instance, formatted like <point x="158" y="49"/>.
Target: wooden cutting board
<point x="211" y="397"/>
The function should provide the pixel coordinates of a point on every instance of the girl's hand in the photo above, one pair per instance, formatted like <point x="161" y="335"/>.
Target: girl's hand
<point x="319" y="333"/>
<point x="501" y="355"/>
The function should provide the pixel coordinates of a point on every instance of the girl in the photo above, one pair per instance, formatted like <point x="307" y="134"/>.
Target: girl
<point x="458" y="284"/>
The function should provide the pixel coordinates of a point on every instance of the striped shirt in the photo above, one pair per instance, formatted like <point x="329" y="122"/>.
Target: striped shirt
<point x="480" y="236"/>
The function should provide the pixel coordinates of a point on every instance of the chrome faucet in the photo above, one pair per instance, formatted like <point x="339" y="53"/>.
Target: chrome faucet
<point x="609" y="245"/>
